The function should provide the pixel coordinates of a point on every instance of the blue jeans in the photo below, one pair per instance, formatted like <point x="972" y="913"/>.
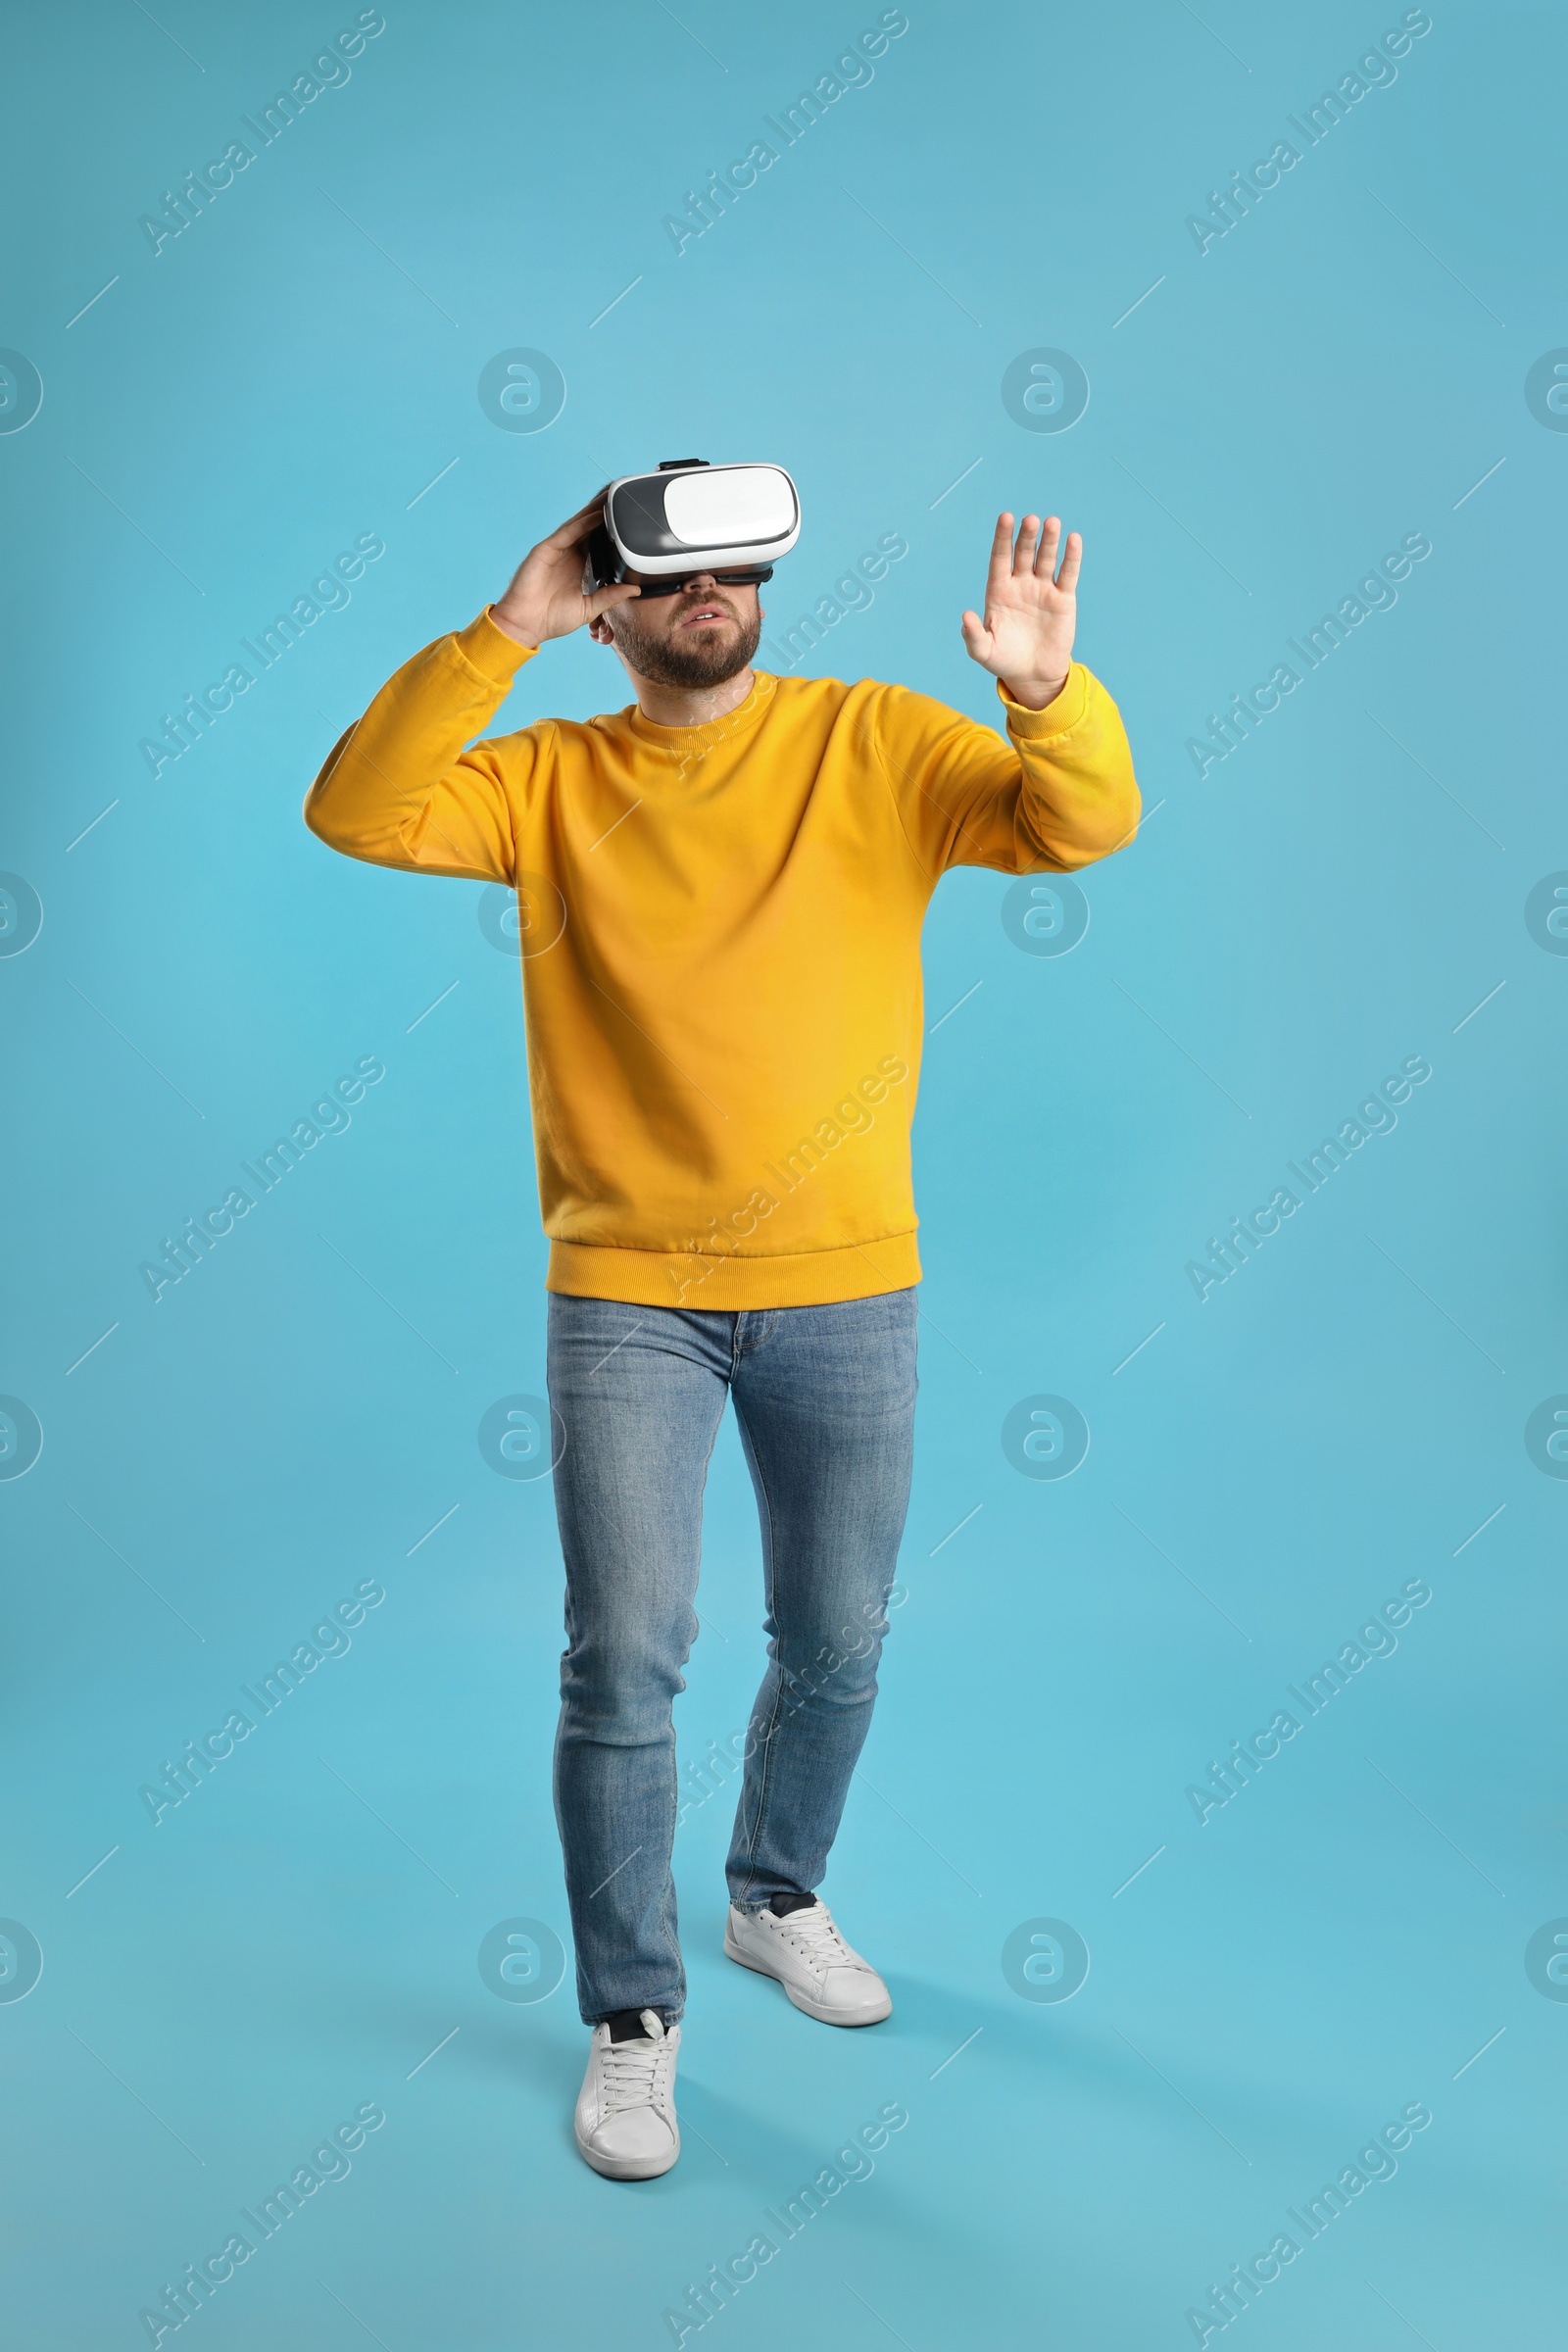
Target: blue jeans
<point x="824" y="1396"/>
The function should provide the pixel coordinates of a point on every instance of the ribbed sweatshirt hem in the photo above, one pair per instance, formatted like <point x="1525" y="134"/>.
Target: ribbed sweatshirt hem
<point x="729" y="1284"/>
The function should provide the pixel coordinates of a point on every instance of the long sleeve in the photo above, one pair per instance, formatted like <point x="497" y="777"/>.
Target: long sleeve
<point x="399" y="789"/>
<point x="1059" y="794"/>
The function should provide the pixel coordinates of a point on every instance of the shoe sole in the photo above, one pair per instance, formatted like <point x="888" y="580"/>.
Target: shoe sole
<point x="628" y="2167"/>
<point x="808" y="2008"/>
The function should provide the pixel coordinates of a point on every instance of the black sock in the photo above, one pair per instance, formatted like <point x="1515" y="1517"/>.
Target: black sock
<point x="781" y="1905"/>
<point x="626" y="2024"/>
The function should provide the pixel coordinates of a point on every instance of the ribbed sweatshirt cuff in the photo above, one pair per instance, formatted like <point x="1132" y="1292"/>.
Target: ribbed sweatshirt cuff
<point x="490" y="652"/>
<point x="1058" y="718"/>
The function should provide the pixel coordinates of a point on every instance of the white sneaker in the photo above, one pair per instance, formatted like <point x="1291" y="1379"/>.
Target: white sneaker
<point x="812" y="1962"/>
<point x="626" y="2121"/>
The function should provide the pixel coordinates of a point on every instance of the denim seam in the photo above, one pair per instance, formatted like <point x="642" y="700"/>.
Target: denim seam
<point x="674" y="1781"/>
<point x="778" y="1697"/>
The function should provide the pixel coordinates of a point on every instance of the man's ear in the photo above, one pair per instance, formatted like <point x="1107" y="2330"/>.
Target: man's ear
<point x="599" y="631"/>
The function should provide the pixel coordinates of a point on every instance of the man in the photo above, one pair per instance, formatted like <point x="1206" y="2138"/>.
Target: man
<point x="720" y="890"/>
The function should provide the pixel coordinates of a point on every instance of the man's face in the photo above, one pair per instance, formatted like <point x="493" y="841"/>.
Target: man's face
<point x="705" y="633"/>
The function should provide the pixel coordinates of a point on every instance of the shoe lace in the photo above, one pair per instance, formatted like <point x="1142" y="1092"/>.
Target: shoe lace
<point x="815" y="1938"/>
<point x="634" y="2073"/>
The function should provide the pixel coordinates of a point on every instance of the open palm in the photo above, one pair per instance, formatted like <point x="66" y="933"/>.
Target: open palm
<point x="1024" y="637"/>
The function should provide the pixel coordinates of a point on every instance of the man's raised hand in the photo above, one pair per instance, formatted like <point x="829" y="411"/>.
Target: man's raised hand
<point x="1025" y="635"/>
<point x="546" y="598"/>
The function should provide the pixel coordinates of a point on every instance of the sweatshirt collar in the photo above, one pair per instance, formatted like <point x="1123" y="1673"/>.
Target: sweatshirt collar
<point x="712" y="734"/>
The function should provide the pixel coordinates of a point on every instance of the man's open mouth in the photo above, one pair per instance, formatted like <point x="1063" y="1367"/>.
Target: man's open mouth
<point x="703" y="613"/>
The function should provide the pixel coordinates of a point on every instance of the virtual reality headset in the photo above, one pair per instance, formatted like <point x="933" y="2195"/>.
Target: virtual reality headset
<point x="690" y="517"/>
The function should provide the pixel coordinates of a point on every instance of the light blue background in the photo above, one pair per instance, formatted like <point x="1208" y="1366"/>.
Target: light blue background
<point x="1338" y="372"/>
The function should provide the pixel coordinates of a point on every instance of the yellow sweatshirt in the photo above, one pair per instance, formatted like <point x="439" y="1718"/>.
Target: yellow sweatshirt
<point x="720" y="932"/>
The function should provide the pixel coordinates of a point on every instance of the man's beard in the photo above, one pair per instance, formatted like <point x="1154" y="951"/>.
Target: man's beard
<point x="686" y="659"/>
